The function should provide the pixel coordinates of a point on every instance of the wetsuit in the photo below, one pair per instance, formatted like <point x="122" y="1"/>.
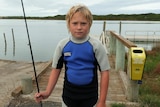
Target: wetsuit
<point x="81" y="58"/>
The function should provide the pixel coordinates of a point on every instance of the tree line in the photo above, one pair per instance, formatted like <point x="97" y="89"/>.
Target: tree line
<point x="140" y="17"/>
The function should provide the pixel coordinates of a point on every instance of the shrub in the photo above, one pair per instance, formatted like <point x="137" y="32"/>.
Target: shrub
<point x="117" y="105"/>
<point x="150" y="101"/>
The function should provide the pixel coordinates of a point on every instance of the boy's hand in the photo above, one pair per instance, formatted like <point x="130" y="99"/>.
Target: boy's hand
<point x="101" y="104"/>
<point x="40" y="96"/>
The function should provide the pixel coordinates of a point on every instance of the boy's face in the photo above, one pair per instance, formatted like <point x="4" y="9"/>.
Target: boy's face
<point x="79" y="26"/>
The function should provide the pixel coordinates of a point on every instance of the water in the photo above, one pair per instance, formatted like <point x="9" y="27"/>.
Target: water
<point x="45" y="34"/>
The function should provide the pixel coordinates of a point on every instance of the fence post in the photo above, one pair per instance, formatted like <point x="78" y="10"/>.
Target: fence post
<point x="120" y="27"/>
<point x="132" y="86"/>
<point x="13" y="42"/>
<point x="120" y="56"/>
<point x="104" y="26"/>
<point x="5" y="41"/>
<point x="133" y="90"/>
<point x="112" y="43"/>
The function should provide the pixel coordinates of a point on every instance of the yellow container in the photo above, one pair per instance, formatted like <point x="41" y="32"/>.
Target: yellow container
<point x="138" y="58"/>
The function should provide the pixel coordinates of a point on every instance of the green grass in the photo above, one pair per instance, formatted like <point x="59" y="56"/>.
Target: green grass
<point x="149" y="100"/>
<point x="117" y="105"/>
<point x="150" y="89"/>
<point x="151" y="62"/>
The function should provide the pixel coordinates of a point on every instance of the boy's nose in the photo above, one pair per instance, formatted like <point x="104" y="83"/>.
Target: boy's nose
<point x="79" y="26"/>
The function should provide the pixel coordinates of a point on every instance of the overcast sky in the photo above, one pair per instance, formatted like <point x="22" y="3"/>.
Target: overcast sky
<point x="61" y="7"/>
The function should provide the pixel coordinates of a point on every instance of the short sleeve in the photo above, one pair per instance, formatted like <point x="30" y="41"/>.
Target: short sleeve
<point x="100" y="55"/>
<point x="58" y="55"/>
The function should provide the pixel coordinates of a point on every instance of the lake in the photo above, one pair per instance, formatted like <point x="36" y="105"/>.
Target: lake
<point x="45" y="34"/>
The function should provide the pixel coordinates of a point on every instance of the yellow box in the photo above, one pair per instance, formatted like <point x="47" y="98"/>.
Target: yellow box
<point x="138" y="58"/>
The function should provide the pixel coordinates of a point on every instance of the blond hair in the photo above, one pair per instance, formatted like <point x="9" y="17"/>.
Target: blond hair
<point x="79" y="8"/>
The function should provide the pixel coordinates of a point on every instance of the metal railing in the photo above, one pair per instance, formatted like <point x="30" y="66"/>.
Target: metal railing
<point x="143" y="36"/>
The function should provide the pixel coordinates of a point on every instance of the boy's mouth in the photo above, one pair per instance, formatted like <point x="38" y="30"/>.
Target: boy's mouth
<point x="79" y="32"/>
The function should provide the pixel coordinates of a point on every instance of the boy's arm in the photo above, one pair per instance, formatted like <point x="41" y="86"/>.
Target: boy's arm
<point x="52" y="80"/>
<point x="104" y="82"/>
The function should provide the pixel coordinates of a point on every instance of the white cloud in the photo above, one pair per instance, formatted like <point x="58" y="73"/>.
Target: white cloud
<point x="53" y="7"/>
<point x="148" y="6"/>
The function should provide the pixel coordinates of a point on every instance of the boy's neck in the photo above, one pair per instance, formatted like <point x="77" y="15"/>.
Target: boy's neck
<point x="79" y="40"/>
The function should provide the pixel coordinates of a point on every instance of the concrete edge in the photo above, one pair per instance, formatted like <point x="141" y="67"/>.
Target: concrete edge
<point x="124" y="79"/>
<point x="42" y="71"/>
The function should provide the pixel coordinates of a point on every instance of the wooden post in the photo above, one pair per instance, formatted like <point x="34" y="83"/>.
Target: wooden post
<point x="104" y="26"/>
<point x="132" y="86"/>
<point x="13" y="42"/>
<point x="5" y="41"/>
<point x="27" y="84"/>
<point x="112" y="43"/>
<point x="120" y="56"/>
<point x="132" y="91"/>
<point x="120" y="27"/>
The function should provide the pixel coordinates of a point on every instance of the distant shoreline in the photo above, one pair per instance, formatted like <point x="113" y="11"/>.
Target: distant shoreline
<point x="136" y="17"/>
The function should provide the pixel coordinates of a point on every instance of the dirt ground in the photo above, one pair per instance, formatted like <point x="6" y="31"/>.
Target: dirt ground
<point x="11" y="74"/>
<point x="22" y="102"/>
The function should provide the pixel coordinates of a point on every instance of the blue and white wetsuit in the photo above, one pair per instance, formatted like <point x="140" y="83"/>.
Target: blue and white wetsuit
<point x="81" y="58"/>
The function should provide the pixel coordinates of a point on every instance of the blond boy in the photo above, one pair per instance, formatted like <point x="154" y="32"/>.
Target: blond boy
<point x="82" y="55"/>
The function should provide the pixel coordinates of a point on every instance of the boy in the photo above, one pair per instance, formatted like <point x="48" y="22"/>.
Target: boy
<point x="81" y="55"/>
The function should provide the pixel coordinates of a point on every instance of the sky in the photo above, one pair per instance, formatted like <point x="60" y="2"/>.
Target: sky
<point x="61" y="7"/>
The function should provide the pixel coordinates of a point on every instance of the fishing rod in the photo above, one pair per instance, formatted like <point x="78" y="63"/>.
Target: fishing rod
<point x="35" y="74"/>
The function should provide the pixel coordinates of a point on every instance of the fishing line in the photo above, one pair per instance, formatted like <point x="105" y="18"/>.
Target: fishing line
<point x="35" y="74"/>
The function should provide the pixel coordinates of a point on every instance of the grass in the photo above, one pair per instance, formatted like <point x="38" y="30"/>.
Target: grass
<point x="118" y="105"/>
<point x="151" y="62"/>
<point x="150" y="100"/>
<point x="150" y="89"/>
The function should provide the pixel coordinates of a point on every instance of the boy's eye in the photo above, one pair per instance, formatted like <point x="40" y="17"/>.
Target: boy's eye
<point x="74" y="23"/>
<point x="83" y="23"/>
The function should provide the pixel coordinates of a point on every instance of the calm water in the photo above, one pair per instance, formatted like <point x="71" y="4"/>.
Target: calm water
<point x="45" y="34"/>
